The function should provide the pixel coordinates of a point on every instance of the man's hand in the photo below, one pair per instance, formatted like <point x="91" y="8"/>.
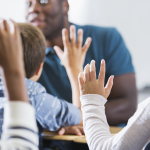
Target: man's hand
<point x="88" y="83"/>
<point x="11" y="53"/>
<point x="77" y="130"/>
<point x="74" y="54"/>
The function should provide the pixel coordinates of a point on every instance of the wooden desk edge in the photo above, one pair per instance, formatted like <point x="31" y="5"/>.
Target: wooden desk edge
<point x="79" y="139"/>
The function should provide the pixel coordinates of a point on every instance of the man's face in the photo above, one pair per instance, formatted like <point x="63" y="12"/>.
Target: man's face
<point x="46" y="15"/>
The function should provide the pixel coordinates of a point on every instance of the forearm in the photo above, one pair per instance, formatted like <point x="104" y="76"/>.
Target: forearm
<point x="73" y="77"/>
<point x="15" y="84"/>
<point x="96" y="128"/>
<point x="120" y="110"/>
<point x="18" y="133"/>
<point x="94" y="121"/>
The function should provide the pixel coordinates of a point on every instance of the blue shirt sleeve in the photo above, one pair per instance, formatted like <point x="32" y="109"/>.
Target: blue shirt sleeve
<point x="117" y="56"/>
<point x="53" y="113"/>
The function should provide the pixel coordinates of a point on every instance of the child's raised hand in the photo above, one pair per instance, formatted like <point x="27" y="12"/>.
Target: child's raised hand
<point x="11" y="53"/>
<point x="74" y="54"/>
<point x="88" y="83"/>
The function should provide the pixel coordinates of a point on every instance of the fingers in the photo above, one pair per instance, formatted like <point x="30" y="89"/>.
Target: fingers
<point x="78" y="132"/>
<point x="82" y="131"/>
<point x="109" y="86"/>
<point x="101" y="77"/>
<point x="65" y="38"/>
<point x="61" y="131"/>
<point x="87" y="44"/>
<point x="6" y="26"/>
<point x="80" y="38"/>
<point x="92" y="71"/>
<point x="74" y="130"/>
<point x="73" y="34"/>
<point x="58" y="51"/>
<point x="71" y="130"/>
<point x="13" y="28"/>
<point x="2" y="25"/>
<point x="87" y="73"/>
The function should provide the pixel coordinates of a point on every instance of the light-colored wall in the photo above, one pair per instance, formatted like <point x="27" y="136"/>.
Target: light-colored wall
<point x="12" y="9"/>
<point x="130" y="17"/>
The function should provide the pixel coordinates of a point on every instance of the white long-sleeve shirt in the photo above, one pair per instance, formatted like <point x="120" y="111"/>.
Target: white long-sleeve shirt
<point x="133" y="137"/>
<point x="19" y="129"/>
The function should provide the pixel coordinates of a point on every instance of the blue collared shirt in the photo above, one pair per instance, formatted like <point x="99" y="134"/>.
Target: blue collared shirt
<point x="51" y="112"/>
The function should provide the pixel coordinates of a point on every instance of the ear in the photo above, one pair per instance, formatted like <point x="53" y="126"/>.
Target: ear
<point x="65" y="6"/>
<point x="39" y="70"/>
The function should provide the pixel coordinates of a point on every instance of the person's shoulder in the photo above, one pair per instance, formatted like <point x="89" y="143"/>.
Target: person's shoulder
<point x="34" y="88"/>
<point x="96" y="28"/>
<point x="104" y="32"/>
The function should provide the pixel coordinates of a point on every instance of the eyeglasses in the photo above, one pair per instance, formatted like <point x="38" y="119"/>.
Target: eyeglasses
<point x="42" y="2"/>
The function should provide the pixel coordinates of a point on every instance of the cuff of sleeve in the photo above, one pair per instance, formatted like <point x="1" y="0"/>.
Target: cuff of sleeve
<point x="93" y="99"/>
<point x="19" y="114"/>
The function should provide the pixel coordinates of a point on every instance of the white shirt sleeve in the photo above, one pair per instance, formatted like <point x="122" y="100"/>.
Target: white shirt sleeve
<point x="19" y="128"/>
<point x="133" y="137"/>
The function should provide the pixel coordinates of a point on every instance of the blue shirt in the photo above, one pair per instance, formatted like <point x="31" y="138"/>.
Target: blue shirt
<point x="51" y="112"/>
<point x="106" y="44"/>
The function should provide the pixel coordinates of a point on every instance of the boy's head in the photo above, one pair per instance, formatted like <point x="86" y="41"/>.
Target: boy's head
<point x="34" y="47"/>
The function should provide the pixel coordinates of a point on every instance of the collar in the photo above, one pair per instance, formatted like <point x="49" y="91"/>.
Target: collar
<point x="50" y="50"/>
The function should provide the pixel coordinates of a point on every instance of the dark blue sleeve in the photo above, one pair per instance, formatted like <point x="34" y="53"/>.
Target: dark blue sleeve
<point x="53" y="113"/>
<point x="117" y="56"/>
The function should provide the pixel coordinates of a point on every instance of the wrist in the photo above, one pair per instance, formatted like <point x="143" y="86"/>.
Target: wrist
<point x="74" y="71"/>
<point x="13" y="72"/>
<point x="15" y="69"/>
<point x="73" y="74"/>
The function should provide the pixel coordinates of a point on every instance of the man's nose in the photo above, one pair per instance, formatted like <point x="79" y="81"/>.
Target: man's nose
<point x="35" y="8"/>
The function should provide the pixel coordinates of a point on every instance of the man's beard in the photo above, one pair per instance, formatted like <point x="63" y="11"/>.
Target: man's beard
<point x="51" y="33"/>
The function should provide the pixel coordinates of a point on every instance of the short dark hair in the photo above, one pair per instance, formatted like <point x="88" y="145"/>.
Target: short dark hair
<point x="34" y="47"/>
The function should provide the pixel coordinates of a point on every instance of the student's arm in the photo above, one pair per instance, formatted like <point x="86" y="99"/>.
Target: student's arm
<point x="73" y="59"/>
<point x="134" y="136"/>
<point x="53" y="113"/>
<point x="93" y="98"/>
<point x="19" y="129"/>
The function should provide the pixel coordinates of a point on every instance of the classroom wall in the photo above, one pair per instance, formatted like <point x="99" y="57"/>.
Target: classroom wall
<point x="130" y="17"/>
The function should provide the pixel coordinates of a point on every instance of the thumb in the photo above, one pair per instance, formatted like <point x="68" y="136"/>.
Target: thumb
<point x="61" y="131"/>
<point x="109" y="86"/>
<point x="58" y="51"/>
<point x="87" y="44"/>
<point x="81" y="81"/>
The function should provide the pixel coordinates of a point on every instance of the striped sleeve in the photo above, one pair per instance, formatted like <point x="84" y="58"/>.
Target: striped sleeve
<point x="19" y="128"/>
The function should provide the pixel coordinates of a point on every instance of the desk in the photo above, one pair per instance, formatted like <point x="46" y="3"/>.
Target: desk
<point x="79" y="139"/>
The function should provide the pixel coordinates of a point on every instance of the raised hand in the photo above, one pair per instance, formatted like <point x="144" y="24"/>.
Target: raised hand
<point x="73" y="58"/>
<point x="74" y="54"/>
<point x="88" y="83"/>
<point x="11" y="53"/>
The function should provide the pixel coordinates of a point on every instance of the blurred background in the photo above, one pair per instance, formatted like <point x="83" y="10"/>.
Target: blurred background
<point x="130" y="17"/>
